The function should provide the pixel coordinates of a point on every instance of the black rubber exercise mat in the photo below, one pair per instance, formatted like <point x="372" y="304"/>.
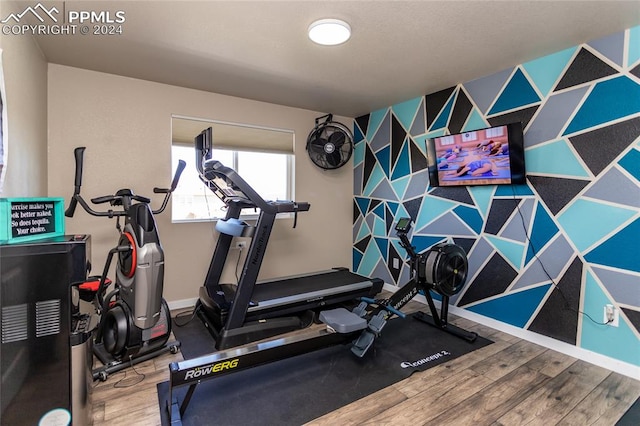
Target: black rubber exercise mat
<point x="632" y="416"/>
<point x="296" y="390"/>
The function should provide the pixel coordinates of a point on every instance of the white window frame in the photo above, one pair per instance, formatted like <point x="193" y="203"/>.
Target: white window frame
<point x="494" y="132"/>
<point x="447" y="140"/>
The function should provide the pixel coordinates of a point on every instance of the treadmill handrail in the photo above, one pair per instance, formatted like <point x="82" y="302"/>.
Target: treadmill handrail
<point x="243" y="192"/>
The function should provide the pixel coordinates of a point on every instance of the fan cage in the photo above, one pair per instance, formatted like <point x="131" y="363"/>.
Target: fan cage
<point x="325" y="153"/>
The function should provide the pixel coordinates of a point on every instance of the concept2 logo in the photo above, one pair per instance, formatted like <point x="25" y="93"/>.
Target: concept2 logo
<point x="210" y="369"/>
<point x="67" y="22"/>
<point x="426" y="360"/>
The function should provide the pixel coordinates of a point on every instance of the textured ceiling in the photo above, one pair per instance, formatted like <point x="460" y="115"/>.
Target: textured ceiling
<point x="398" y="50"/>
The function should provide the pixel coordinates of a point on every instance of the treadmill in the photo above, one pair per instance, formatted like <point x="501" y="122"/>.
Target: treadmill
<point x="236" y="314"/>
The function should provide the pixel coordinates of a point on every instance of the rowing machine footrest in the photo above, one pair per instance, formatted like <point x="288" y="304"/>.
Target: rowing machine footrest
<point x="377" y="323"/>
<point x="361" y="309"/>
<point x="342" y="320"/>
<point x="362" y="344"/>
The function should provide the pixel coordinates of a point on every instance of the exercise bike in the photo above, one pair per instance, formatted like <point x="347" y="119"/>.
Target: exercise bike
<point x="134" y="319"/>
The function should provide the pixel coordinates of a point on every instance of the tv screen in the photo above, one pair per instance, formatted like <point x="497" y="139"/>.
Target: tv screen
<point x="491" y="156"/>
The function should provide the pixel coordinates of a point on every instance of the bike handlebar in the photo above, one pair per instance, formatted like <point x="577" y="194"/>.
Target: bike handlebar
<point x="79" y="154"/>
<point x="119" y="196"/>
<point x="174" y="184"/>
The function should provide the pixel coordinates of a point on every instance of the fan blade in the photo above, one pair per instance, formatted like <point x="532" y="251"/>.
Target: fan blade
<point x="317" y="145"/>
<point x="319" y="141"/>
<point x="334" y="159"/>
<point x="338" y="138"/>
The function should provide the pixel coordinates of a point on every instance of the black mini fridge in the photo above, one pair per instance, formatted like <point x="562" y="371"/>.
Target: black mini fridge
<point x="45" y="353"/>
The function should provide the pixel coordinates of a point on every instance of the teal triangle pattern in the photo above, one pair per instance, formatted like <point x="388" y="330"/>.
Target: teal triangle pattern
<point x="375" y="118"/>
<point x="631" y="163"/>
<point x="634" y="46"/>
<point x="616" y="342"/>
<point x="357" y="257"/>
<point x="406" y="111"/>
<point x="515" y="308"/>
<point x="358" y="153"/>
<point x="363" y="205"/>
<point x="511" y="250"/>
<point x="421" y="143"/>
<point x="399" y="249"/>
<point x="384" y="158"/>
<point x="422" y="242"/>
<point x="364" y="231"/>
<point x="369" y="260"/>
<point x="609" y="253"/>
<point x="379" y="211"/>
<point x="555" y="158"/>
<point x="377" y="175"/>
<point x="448" y="224"/>
<point x="435" y="133"/>
<point x="513" y="190"/>
<point x="609" y="100"/>
<point x="517" y="93"/>
<point x="400" y="186"/>
<point x="357" y="134"/>
<point x="403" y="165"/>
<point x="475" y="121"/>
<point x="379" y="227"/>
<point x="541" y="233"/>
<point x="443" y="118"/>
<point x="383" y="246"/>
<point x="402" y="211"/>
<point x="545" y="71"/>
<point x="482" y="198"/>
<point x="471" y="217"/>
<point x="393" y="207"/>
<point x="432" y="208"/>
<point x="586" y="222"/>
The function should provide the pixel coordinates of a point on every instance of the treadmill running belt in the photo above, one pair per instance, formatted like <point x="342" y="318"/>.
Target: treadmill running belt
<point x="331" y="280"/>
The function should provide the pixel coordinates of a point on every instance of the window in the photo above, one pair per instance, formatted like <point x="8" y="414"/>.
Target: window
<point x="263" y="157"/>
<point x="495" y="132"/>
<point x="447" y="140"/>
<point x="267" y="172"/>
<point x="469" y="136"/>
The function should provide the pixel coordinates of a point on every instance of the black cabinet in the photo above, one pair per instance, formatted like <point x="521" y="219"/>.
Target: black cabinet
<point x="39" y="324"/>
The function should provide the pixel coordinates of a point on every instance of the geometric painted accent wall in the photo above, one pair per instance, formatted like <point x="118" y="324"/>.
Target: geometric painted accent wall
<point x="545" y="256"/>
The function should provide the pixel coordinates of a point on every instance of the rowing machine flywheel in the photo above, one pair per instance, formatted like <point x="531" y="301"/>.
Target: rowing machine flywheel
<point x="446" y="268"/>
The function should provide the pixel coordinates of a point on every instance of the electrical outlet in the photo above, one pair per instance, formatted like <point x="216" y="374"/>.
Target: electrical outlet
<point x="611" y="315"/>
<point x="396" y="263"/>
<point x="240" y="245"/>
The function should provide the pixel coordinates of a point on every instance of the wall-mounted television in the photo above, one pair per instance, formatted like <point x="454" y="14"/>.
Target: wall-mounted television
<point x="491" y="156"/>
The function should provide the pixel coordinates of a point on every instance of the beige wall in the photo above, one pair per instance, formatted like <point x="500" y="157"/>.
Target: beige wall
<point x="25" y="81"/>
<point x="126" y="126"/>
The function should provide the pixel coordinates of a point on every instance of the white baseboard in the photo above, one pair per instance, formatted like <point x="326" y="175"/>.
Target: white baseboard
<point x="609" y="363"/>
<point x="181" y="304"/>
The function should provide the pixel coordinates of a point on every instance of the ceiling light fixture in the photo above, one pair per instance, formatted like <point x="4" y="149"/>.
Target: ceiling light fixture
<point x="329" y="32"/>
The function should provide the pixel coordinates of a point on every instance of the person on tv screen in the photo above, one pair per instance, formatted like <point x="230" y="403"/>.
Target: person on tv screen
<point x="475" y="167"/>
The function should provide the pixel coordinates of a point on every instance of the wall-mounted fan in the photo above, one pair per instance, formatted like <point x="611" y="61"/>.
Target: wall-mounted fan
<point x="330" y="144"/>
